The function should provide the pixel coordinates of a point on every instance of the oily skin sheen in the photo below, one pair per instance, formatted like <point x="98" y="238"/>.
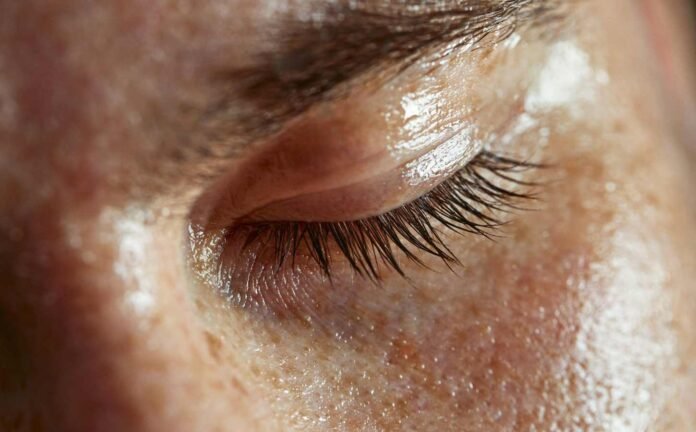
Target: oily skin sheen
<point x="581" y="317"/>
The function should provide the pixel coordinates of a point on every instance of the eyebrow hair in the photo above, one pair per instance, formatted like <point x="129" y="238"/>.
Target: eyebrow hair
<point x="320" y="59"/>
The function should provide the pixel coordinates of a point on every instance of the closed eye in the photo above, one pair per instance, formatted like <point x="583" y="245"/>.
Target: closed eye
<point x="374" y="185"/>
<point x="473" y="201"/>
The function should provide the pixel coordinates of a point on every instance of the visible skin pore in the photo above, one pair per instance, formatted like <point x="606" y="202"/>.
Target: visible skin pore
<point x="579" y="317"/>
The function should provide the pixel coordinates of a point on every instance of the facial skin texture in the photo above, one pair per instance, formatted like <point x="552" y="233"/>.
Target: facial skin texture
<point x="581" y="317"/>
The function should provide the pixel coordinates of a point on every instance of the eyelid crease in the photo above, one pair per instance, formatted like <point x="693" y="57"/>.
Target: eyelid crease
<point x="370" y="191"/>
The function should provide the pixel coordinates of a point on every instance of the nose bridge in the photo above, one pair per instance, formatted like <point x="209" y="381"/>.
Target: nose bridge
<point x="94" y="291"/>
<point x="108" y="333"/>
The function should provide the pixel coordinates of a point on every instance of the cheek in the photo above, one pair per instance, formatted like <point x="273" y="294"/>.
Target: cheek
<point x="569" y="339"/>
<point x="566" y="323"/>
<point x="570" y="322"/>
<point x="572" y="331"/>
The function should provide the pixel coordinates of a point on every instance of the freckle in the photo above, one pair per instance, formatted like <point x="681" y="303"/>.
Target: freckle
<point x="236" y="384"/>
<point x="200" y="305"/>
<point x="214" y="345"/>
<point x="274" y="338"/>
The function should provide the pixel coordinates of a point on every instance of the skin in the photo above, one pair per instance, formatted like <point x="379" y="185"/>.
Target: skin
<point x="581" y="317"/>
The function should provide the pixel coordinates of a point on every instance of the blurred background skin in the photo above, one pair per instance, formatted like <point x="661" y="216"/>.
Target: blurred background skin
<point x="86" y="91"/>
<point x="680" y="66"/>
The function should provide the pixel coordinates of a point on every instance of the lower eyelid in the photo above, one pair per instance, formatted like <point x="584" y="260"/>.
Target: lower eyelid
<point x="252" y="282"/>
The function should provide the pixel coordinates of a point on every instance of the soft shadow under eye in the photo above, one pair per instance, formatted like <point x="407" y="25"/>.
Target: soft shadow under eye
<point x="473" y="201"/>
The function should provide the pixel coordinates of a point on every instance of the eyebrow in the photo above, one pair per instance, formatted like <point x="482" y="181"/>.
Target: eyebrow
<point x="323" y="58"/>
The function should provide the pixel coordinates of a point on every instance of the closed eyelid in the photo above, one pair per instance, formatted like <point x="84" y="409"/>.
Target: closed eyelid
<point x="471" y="202"/>
<point x="353" y="158"/>
<point x="375" y="150"/>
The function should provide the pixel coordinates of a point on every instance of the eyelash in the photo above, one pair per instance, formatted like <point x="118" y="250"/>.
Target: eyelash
<point x="472" y="201"/>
